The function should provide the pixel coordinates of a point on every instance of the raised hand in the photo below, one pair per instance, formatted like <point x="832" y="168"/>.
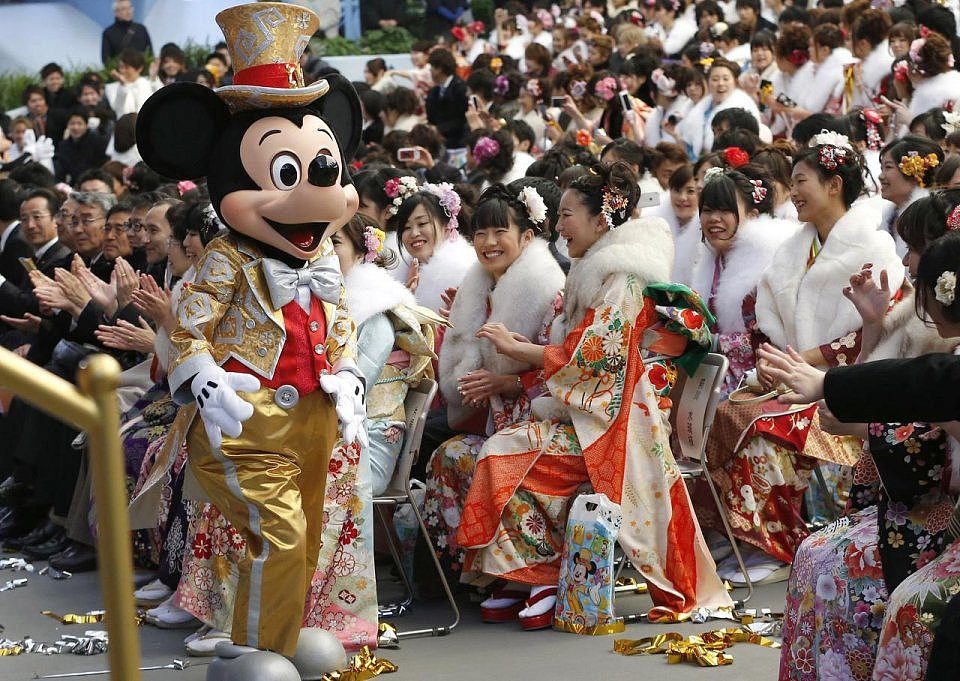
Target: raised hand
<point x="126" y="336"/>
<point x="870" y="300"/>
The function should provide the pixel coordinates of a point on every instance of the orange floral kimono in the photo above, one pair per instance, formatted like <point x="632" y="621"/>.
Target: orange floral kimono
<point x="604" y="429"/>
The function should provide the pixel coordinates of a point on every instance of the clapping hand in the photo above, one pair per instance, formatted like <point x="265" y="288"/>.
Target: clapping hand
<point x="154" y="302"/>
<point x="126" y="336"/>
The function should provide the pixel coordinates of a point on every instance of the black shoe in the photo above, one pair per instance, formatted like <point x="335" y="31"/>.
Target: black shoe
<point x="76" y="557"/>
<point x="55" y="544"/>
<point x="37" y="535"/>
<point x="17" y="523"/>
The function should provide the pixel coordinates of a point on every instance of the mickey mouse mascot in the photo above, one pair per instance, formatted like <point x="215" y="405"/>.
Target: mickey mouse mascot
<point x="265" y="343"/>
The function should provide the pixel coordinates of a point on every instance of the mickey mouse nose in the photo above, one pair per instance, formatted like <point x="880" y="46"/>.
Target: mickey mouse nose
<point x="323" y="171"/>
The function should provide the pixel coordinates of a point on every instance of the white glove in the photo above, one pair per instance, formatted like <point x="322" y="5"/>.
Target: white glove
<point x="347" y="391"/>
<point x="221" y="409"/>
<point x="40" y="150"/>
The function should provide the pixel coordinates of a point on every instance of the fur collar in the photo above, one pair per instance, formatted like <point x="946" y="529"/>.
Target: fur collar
<point x="876" y="66"/>
<point x="752" y="251"/>
<point x="795" y="85"/>
<point x="642" y="247"/>
<point x="806" y="308"/>
<point x="934" y="92"/>
<point x="695" y="127"/>
<point x="521" y="301"/>
<point x="827" y="76"/>
<point x="450" y="261"/>
<point x="371" y="290"/>
<point x="686" y="243"/>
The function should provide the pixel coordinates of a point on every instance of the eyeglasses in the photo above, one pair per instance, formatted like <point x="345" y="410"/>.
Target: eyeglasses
<point x="86" y="222"/>
<point x="35" y="217"/>
<point x="133" y="226"/>
<point x="109" y="229"/>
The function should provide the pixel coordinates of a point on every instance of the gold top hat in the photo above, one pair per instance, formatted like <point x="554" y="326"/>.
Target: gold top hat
<point x="265" y="41"/>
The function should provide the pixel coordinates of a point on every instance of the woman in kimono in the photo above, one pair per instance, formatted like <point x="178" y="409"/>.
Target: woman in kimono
<point x="740" y="237"/>
<point x="723" y="93"/>
<point x="431" y="249"/>
<point x="395" y="347"/>
<point x="603" y="427"/>
<point x="935" y="82"/>
<point x="762" y="455"/>
<point x="485" y="391"/>
<point x="896" y="520"/>
<point x="907" y="168"/>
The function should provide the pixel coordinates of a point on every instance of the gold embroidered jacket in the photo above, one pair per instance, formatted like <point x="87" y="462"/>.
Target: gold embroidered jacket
<point x="227" y="313"/>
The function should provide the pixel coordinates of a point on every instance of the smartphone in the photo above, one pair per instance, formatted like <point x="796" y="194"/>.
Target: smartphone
<point x="28" y="264"/>
<point x="649" y="200"/>
<point x="475" y="102"/>
<point x="625" y="102"/>
<point x="785" y="101"/>
<point x="558" y="102"/>
<point x="408" y="154"/>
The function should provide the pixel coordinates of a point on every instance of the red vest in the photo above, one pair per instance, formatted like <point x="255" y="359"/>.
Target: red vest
<point x="304" y="356"/>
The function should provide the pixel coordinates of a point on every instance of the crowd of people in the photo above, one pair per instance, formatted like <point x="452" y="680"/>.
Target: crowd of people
<point x="559" y="215"/>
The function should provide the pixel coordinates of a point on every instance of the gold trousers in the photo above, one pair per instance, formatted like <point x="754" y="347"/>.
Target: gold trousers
<point x="269" y="483"/>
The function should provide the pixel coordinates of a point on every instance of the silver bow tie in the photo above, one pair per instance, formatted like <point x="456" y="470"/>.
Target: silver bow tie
<point x="322" y="276"/>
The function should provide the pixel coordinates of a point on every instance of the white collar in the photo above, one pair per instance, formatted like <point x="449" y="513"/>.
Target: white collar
<point x="6" y="234"/>
<point x="39" y="253"/>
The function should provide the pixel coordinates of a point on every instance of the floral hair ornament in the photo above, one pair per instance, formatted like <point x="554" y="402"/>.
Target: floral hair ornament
<point x="706" y="63"/>
<point x="606" y="88"/>
<point x="373" y="239"/>
<point x="666" y="86"/>
<point x="578" y="89"/>
<point x="458" y="33"/>
<point x="953" y="220"/>
<point x="951" y="122"/>
<point x="798" y="57"/>
<point x="475" y="27"/>
<point x="916" y="166"/>
<point x="584" y="138"/>
<point x="613" y="202"/>
<point x="831" y="138"/>
<point x="545" y="18"/>
<point x="901" y="71"/>
<point x="449" y="201"/>
<point x="915" y="48"/>
<point x="535" y="205"/>
<point x="496" y="64"/>
<point x="397" y="190"/>
<point x="485" y="149"/>
<point x="712" y="174"/>
<point x="759" y="192"/>
<point x="707" y="48"/>
<point x="946" y="290"/>
<point x="501" y="85"/>
<point x="871" y="119"/>
<point x="533" y="88"/>
<point x="184" y="186"/>
<point x="718" y="29"/>
<point x="735" y="157"/>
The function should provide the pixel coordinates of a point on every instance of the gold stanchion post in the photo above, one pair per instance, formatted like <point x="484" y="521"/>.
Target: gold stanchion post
<point x="99" y="377"/>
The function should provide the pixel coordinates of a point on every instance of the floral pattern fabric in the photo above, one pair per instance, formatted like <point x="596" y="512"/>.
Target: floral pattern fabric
<point x="611" y="439"/>
<point x="842" y="575"/>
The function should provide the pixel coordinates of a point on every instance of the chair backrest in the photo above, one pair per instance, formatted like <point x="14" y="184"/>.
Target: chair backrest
<point x="693" y="412"/>
<point x="416" y="406"/>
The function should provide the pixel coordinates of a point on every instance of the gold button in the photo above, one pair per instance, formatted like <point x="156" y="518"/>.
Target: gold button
<point x="318" y="348"/>
<point x="314" y="326"/>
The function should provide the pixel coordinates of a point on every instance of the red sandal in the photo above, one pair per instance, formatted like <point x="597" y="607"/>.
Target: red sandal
<point x="543" y="621"/>
<point x="507" y="613"/>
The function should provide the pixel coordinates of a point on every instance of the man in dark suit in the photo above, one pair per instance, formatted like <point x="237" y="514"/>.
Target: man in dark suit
<point x="12" y="244"/>
<point x="447" y="100"/>
<point x="124" y="32"/>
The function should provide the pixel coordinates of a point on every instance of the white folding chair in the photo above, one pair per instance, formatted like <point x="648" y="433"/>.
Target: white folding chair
<point x="694" y="407"/>
<point x="399" y="492"/>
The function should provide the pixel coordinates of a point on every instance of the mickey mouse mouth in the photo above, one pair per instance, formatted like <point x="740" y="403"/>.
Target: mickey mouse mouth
<point x="304" y="235"/>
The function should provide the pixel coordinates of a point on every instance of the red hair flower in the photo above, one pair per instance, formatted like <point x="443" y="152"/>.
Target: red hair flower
<point x="458" y="33"/>
<point x="798" y="57"/>
<point x="584" y="138"/>
<point x="735" y="157"/>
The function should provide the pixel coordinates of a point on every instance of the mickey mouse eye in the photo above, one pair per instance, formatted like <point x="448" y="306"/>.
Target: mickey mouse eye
<point x="285" y="171"/>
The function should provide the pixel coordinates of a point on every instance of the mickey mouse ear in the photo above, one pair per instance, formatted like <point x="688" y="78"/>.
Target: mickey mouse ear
<point x="178" y="128"/>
